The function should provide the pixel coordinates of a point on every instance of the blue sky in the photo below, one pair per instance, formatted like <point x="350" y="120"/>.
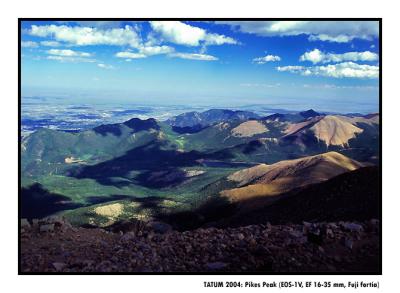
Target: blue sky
<point x="330" y="66"/>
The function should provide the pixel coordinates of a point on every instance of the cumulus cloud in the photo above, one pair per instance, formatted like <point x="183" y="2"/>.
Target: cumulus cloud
<point x="216" y="39"/>
<point x="50" y="43"/>
<point x="265" y="59"/>
<point x="332" y="31"/>
<point x="169" y="51"/>
<point x="145" y="51"/>
<point x="68" y="53"/>
<point x="183" y="34"/>
<point x="316" y="56"/>
<point x="156" y="50"/>
<point x="194" y="56"/>
<point x="340" y="70"/>
<point x="85" y="36"/>
<point x="29" y="44"/>
<point x="171" y="31"/>
<point x="130" y="55"/>
<point x="333" y="39"/>
<point x="99" y="24"/>
<point x="291" y="68"/>
<point x="105" y="66"/>
<point x="70" y="59"/>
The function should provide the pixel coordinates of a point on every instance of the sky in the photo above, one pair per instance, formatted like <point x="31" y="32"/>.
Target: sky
<point x="325" y="65"/>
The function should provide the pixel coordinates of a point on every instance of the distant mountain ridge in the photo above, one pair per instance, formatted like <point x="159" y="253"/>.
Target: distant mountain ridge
<point x="309" y="113"/>
<point x="209" y="117"/>
<point x="293" y="117"/>
<point x="135" y="124"/>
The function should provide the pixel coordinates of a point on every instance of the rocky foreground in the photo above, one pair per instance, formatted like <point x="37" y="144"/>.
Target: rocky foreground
<point x="53" y="245"/>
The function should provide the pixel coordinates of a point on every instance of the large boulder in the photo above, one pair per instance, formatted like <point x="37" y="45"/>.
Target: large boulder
<point x="353" y="227"/>
<point x="159" y="227"/>
<point x="46" y="228"/>
<point x="57" y="222"/>
<point x="25" y="224"/>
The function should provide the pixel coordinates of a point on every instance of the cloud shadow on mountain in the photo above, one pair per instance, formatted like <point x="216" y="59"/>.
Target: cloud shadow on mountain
<point x="149" y="157"/>
<point x="91" y="200"/>
<point x="38" y="202"/>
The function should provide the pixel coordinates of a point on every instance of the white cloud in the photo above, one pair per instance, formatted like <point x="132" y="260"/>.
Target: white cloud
<point x="29" y="44"/>
<point x="216" y="39"/>
<point x="68" y="53"/>
<point x="84" y="36"/>
<point x="99" y="24"/>
<point x="265" y="59"/>
<point x="291" y="68"/>
<point x="105" y="66"/>
<point x="50" y="43"/>
<point x="194" y="56"/>
<point x="172" y="31"/>
<point x="183" y="34"/>
<point x="156" y="50"/>
<point x="316" y="56"/>
<point x="333" y="39"/>
<point x="340" y="70"/>
<point x="266" y="85"/>
<point x="332" y="31"/>
<point x="145" y="51"/>
<point x="348" y="69"/>
<point x="130" y="55"/>
<point x="341" y="87"/>
<point x="70" y="59"/>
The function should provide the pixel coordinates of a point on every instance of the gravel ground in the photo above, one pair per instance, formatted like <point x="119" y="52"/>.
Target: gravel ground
<point x="53" y="245"/>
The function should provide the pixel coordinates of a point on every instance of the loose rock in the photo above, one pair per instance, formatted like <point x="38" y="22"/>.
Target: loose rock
<point x="46" y="228"/>
<point x="216" y="265"/>
<point x="25" y="224"/>
<point x="59" y="266"/>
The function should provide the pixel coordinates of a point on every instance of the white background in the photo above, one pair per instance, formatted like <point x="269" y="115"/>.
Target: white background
<point x="11" y="11"/>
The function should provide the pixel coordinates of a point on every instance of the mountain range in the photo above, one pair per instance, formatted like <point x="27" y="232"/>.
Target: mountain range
<point x="216" y="159"/>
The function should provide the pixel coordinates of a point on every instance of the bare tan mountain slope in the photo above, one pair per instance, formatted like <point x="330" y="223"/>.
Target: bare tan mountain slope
<point x="249" y="128"/>
<point x="270" y="180"/>
<point x="333" y="130"/>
